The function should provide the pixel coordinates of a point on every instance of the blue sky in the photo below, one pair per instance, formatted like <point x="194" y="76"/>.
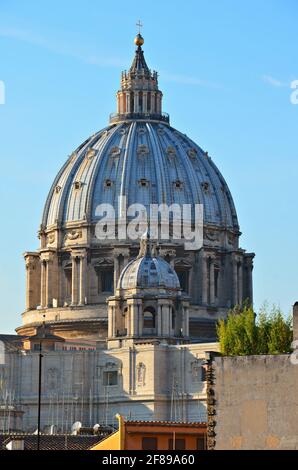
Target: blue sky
<point x="225" y="70"/>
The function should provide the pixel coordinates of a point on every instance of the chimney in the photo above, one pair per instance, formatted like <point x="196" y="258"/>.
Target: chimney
<point x="295" y="321"/>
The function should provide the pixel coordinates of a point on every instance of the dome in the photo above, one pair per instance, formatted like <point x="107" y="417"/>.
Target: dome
<point x="141" y="157"/>
<point x="148" y="272"/>
<point x="149" y="162"/>
<point x="129" y="171"/>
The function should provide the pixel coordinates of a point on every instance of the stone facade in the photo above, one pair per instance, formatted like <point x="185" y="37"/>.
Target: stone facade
<point x="93" y="386"/>
<point x="256" y="402"/>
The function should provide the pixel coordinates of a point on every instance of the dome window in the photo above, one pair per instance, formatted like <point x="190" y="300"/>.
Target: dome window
<point x="90" y="153"/>
<point x="108" y="183"/>
<point x="192" y="153"/>
<point x="58" y="189"/>
<point x="205" y="186"/>
<point x="143" y="182"/>
<point x="115" y="152"/>
<point x="149" y="318"/>
<point x="142" y="150"/>
<point x="178" y="184"/>
<point x="171" y="152"/>
<point x="77" y="184"/>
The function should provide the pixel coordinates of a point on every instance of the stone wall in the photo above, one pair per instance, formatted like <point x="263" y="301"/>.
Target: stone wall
<point x="256" y="402"/>
<point x="145" y="382"/>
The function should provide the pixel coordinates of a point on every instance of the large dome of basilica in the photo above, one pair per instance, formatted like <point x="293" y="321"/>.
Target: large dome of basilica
<point x="144" y="160"/>
<point x="149" y="162"/>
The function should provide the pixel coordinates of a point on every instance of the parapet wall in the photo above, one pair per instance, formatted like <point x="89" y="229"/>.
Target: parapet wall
<point x="256" y="401"/>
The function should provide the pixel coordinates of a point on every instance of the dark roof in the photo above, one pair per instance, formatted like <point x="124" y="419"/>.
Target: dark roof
<point x="12" y="342"/>
<point x="53" y="442"/>
<point x="196" y="424"/>
<point x="43" y="332"/>
<point x="139" y="63"/>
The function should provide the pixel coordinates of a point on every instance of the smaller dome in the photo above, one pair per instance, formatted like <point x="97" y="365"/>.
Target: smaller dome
<point x="148" y="270"/>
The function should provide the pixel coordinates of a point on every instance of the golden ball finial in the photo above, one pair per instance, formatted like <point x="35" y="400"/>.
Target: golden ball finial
<point x="139" y="40"/>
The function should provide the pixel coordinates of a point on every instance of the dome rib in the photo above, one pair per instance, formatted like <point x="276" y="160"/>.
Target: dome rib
<point x="97" y="176"/>
<point x="128" y="167"/>
<point x="161" y="182"/>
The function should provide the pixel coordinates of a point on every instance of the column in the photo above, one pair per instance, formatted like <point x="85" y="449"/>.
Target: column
<point x="116" y="271"/>
<point x="250" y="289"/>
<point x="33" y="277"/>
<point x="135" y="329"/>
<point x="127" y="95"/>
<point x="114" y="321"/>
<point x="28" y="285"/>
<point x="185" y="321"/>
<point x="159" y="319"/>
<point x="74" y="286"/>
<point x="82" y="277"/>
<point x="48" y="285"/>
<point x="128" y="321"/>
<point x="158" y="97"/>
<point x="140" y="318"/>
<point x="152" y="102"/>
<point x="192" y="280"/>
<point x="144" y="101"/>
<point x="123" y="103"/>
<point x="136" y="101"/>
<point x="43" y="284"/>
<point x="212" y="297"/>
<point x="204" y="280"/>
<point x="235" y="282"/>
<point x="240" y="284"/>
<point x="134" y="315"/>
<point x="165" y="320"/>
<point x="110" y="321"/>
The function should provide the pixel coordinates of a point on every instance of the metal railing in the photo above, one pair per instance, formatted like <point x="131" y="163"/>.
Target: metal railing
<point x="116" y="117"/>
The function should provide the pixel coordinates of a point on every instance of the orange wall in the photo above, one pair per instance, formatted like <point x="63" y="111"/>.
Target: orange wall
<point x="130" y="436"/>
<point x="111" y="442"/>
<point x="134" y="437"/>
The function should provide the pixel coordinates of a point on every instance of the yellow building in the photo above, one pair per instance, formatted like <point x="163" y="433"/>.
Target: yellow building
<point x="155" y="435"/>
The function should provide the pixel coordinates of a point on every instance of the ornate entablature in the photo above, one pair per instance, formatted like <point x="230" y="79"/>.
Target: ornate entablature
<point x="100" y="262"/>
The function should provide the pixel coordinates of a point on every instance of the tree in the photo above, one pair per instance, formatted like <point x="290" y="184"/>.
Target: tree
<point x="240" y="334"/>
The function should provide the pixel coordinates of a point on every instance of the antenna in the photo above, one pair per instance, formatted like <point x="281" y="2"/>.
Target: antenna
<point x="75" y="428"/>
<point x="96" y="428"/>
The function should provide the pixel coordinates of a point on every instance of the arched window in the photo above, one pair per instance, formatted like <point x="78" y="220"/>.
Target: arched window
<point x="149" y="317"/>
<point x="183" y="279"/>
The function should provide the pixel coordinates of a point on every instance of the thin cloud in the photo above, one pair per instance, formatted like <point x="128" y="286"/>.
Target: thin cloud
<point x="86" y="57"/>
<point x="60" y="48"/>
<point x="187" y="80"/>
<point x="274" y="81"/>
